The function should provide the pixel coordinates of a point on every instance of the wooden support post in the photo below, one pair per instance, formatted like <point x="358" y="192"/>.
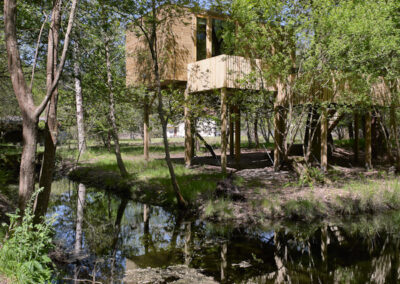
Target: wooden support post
<point x="231" y="133"/>
<point x="146" y="136"/>
<point x="223" y="129"/>
<point x="356" y="136"/>
<point x="209" y="38"/>
<point x="188" y="132"/>
<point x="368" y="140"/>
<point x="237" y="136"/>
<point x="324" y="139"/>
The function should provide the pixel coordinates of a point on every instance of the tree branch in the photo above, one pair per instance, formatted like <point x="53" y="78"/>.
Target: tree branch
<point x="37" y="52"/>
<point x="50" y="90"/>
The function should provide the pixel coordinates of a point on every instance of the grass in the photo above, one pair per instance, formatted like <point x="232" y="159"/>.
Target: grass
<point x="365" y="196"/>
<point x="153" y="175"/>
<point x="371" y="196"/>
<point x="348" y="143"/>
<point x="303" y="209"/>
<point x="219" y="208"/>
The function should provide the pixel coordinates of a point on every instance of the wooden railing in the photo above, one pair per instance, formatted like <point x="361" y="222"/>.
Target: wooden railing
<point x="225" y="71"/>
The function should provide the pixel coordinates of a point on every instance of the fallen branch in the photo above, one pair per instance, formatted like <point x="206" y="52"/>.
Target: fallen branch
<point x="208" y="146"/>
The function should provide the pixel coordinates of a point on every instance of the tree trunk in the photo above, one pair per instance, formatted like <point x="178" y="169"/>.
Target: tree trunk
<point x="393" y="127"/>
<point x="356" y="136"/>
<point x="279" y="127"/>
<point x="350" y="130"/>
<point x="193" y="124"/>
<point x="368" y="136"/>
<point x="224" y="141"/>
<point x="249" y="139"/>
<point x="181" y="201"/>
<point x="307" y="131"/>
<point x="112" y="116"/>
<point x="27" y="167"/>
<point x="146" y="115"/>
<point x="188" y="131"/>
<point x="51" y="124"/>
<point x="324" y="139"/>
<point x="315" y="135"/>
<point x="237" y="136"/>
<point x="30" y="112"/>
<point x="264" y="132"/>
<point x="231" y="133"/>
<point x="256" y="139"/>
<point x="79" y="102"/>
<point x="208" y="146"/>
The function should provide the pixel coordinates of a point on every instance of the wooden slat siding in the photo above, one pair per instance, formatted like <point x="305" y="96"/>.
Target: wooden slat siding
<point x="175" y="51"/>
<point x="224" y="71"/>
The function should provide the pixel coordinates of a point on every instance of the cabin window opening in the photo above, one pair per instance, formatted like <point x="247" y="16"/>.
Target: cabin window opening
<point x="219" y="28"/>
<point x="201" y="39"/>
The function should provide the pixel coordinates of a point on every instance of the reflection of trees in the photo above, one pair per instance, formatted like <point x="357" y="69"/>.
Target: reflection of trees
<point x="224" y="262"/>
<point x="117" y="229"/>
<point x="79" y="222"/>
<point x="280" y="257"/>
<point x="188" y="237"/>
<point x="112" y="229"/>
<point x="79" y="217"/>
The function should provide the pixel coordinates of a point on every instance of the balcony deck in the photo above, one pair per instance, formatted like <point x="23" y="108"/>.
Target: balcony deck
<point x="226" y="71"/>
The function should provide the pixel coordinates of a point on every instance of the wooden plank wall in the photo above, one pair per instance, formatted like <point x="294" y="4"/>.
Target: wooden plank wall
<point x="176" y="48"/>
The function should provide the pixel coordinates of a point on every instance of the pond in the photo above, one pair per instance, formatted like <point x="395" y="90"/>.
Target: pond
<point x="106" y="237"/>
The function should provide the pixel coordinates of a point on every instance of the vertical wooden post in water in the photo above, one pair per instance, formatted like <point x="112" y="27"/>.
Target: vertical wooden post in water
<point x="237" y="136"/>
<point x="356" y="136"/>
<point x="368" y="140"/>
<point x="188" y="132"/>
<point x="324" y="139"/>
<point x="223" y="129"/>
<point x="231" y="133"/>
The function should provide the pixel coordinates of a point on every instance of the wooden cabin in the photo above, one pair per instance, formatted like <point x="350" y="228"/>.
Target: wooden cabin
<point x="191" y="51"/>
<point x="192" y="54"/>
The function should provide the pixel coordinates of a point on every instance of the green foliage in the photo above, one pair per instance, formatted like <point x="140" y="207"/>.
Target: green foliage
<point x="24" y="254"/>
<point x="311" y="176"/>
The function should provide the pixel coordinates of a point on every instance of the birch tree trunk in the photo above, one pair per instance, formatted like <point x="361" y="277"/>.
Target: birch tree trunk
<point x="112" y="117"/>
<point x="80" y="121"/>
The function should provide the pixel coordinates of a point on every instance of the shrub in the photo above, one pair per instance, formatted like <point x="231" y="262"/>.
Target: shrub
<point x="24" y="253"/>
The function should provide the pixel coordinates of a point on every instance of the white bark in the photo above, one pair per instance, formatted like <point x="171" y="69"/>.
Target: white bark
<point x="79" y="102"/>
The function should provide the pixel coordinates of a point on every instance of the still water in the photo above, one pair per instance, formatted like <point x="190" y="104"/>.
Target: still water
<point x="106" y="236"/>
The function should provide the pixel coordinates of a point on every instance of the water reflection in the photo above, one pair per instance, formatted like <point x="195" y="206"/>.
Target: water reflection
<point x="79" y="222"/>
<point x="108" y="236"/>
